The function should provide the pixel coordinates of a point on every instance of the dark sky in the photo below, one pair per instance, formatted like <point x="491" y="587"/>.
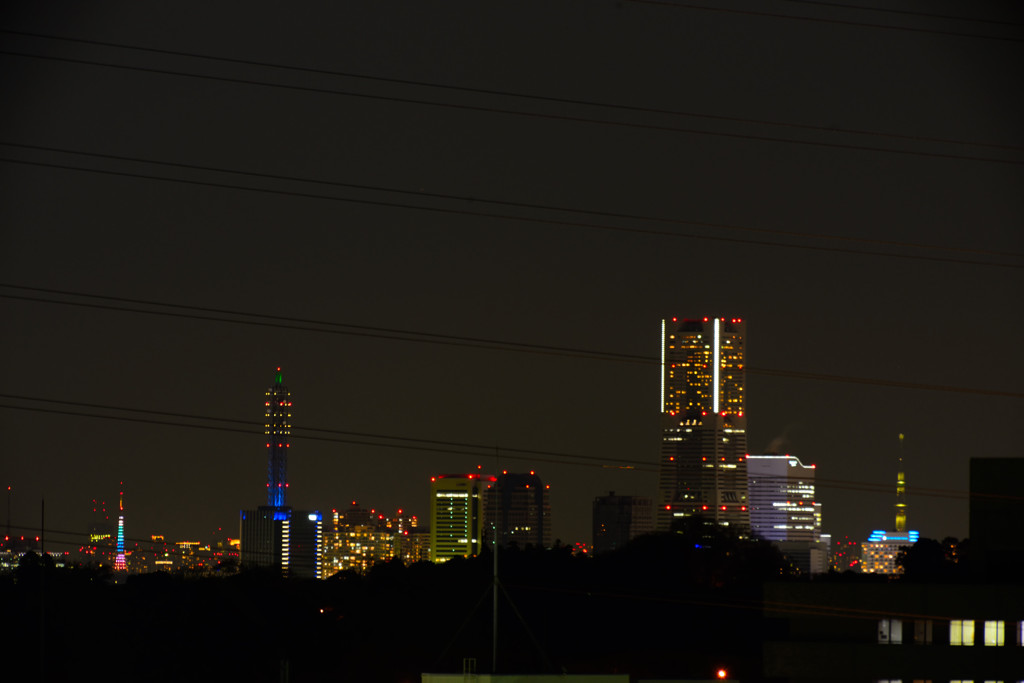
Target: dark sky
<point x="948" y="321"/>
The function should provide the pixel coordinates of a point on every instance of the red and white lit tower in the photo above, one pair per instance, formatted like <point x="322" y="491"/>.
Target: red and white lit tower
<point x="278" y="429"/>
<point x="704" y="434"/>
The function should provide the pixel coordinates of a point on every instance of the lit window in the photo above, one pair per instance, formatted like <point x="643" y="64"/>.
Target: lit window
<point x="890" y="631"/>
<point x="961" y="632"/>
<point x="994" y="633"/>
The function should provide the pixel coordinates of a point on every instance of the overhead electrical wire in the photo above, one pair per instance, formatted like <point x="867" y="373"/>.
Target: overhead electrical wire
<point x="458" y="448"/>
<point x="510" y="203"/>
<point x="529" y="114"/>
<point x="824" y="20"/>
<point x="909" y="13"/>
<point x="513" y="94"/>
<point x="397" y="334"/>
<point x="511" y="217"/>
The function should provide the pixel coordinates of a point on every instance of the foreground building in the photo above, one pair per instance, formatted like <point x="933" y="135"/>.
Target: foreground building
<point x="892" y="631"/>
<point x="703" y="468"/>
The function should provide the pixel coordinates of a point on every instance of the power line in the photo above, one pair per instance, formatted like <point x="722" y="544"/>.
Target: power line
<point x="822" y="20"/>
<point x="513" y="218"/>
<point x="509" y="203"/>
<point x="448" y="447"/>
<point x="498" y="110"/>
<point x="283" y="322"/>
<point x="909" y="13"/>
<point x="517" y="95"/>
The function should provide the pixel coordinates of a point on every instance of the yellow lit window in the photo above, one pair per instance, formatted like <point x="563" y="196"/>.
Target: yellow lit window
<point x="961" y="632"/>
<point x="994" y="633"/>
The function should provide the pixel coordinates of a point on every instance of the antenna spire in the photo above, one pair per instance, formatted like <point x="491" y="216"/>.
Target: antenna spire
<point x="901" y="492"/>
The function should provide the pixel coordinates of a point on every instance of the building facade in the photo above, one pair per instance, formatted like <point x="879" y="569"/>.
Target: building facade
<point x="456" y="515"/>
<point x="619" y="519"/>
<point x="783" y="509"/>
<point x="703" y="469"/>
<point x="517" y="508"/>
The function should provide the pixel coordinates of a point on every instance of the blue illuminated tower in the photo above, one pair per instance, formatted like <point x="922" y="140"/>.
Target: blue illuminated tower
<point x="278" y="429"/>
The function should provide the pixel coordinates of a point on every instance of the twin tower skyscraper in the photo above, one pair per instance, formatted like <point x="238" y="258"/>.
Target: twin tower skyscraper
<point x="703" y="468"/>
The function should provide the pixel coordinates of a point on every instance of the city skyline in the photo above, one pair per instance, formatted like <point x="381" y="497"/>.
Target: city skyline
<point x="442" y="251"/>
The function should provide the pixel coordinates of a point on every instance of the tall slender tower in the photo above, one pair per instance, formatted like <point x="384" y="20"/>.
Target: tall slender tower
<point x="704" y="435"/>
<point x="120" y="564"/>
<point x="901" y="493"/>
<point x="278" y="429"/>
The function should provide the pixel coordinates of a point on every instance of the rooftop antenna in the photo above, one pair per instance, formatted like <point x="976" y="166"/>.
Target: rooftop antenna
<point x="901" y="493"/>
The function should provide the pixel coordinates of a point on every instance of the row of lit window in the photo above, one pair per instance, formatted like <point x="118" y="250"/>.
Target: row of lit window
<point x="961" y="632"/>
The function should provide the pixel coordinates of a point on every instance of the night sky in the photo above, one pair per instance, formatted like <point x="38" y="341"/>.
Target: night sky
<point x="355" y="253"/>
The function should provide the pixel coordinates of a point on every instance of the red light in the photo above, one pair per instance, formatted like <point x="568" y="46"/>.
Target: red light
<point x="532" y="473"/>
<point x="743" y="508"/>
<point x="705" y="319"/>
<point x="668" y="507"/>
<point x="674" y="319"/>
<point x="671" y="458"/>
<point x="722" y="673"/>
<point x="703" y="507"/>
<point x="723" y="507"/>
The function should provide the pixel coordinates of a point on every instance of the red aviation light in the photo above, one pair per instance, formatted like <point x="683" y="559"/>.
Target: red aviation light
<point x="532" y="473"/>
<point x="668" y="507"/>
<point x="675" y="319"/>
<point x="705" y="319"/>
<point x="721" y="673"/>
<point x="703" y="507"/>
<point x="743" y="508"/>
<point x="723" y="508"/>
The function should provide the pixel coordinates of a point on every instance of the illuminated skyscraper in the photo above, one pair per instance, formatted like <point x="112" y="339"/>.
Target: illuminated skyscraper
<point x="704" y="441"/>
<point x="783" y="509"/>
<point x="517" y="507"/>
<point x="456" y="519"/>
<point x="278" y="429"/>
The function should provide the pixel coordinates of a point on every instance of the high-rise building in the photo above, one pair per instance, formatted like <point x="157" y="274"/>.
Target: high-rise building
<point x="619" y="519"/>
<point x="456" y="519"/>
<point x="783" y="509"/>
<point x="517" y="508"/>
<point x="275" y="535"/>
<point x="703" y="467"/>
<point x="782" y="499"/>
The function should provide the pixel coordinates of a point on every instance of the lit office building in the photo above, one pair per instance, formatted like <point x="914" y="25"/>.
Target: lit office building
<point x="783" y="509"/>
<point x="517" y="508"/>
<point x="456" y="515"/>
<point x="619" y="519"/>
<point x="703" y="469"/>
